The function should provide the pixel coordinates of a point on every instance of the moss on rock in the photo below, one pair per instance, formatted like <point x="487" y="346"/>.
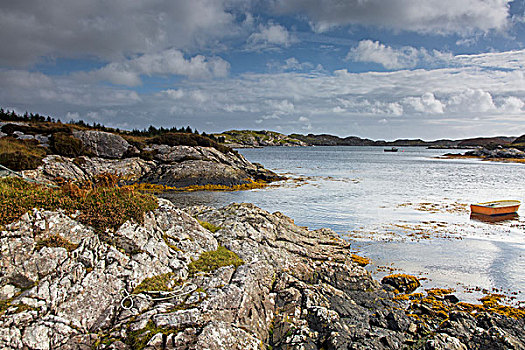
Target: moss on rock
<point x="163" y="282"/>
<point x="209" y="226"/>
<point x="212" y="260"/>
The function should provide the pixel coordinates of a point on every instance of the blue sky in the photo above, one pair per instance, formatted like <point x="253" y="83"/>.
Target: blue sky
<point x="380" y="69"/>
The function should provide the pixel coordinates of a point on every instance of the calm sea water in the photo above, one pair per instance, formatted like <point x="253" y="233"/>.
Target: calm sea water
<point x="407" y="211"/>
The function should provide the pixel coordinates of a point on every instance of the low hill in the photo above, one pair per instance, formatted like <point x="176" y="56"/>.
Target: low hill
<point x="251" y="138"/>
<point x="519" y="143"/>
<point x="487" y="141"/>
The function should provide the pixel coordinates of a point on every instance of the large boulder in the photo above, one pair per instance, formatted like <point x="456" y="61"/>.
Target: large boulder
<point x="103" y="144"/>
<point x="86" y="168"/>
<point x="175" y="166"/>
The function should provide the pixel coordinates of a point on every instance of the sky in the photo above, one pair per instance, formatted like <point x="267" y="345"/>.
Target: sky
<point x="379" y="69"/>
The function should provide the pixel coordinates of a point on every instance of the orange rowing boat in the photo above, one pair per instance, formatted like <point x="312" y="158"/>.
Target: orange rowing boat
<point x="496" y="207"/>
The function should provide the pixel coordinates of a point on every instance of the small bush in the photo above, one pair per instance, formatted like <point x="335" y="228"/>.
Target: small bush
<point x="66" y="145"/>
<point x="148" y="155"/>
<point x="137" y="141"/>
<point x="20" y="154"/>
<point x="100" y="207"/>
<point x="36" y="128"/>
<point x="211" y="261"/>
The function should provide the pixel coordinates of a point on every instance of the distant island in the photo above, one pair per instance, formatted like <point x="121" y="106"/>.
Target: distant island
<point x="264" y="138"/>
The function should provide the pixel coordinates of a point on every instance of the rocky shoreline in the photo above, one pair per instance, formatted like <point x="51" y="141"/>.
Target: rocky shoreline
<point x="249" y="280"/>
<point x="499" y="155"/>
<point x="235" y="277"/>
<point x="80" y="155"/>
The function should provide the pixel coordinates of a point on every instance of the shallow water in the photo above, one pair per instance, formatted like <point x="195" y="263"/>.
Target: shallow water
<point x="407" y="211"/>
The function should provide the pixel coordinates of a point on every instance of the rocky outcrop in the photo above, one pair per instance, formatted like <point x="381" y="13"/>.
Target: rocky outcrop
<point x="78" y="155"/>
<point x="297" y="289"/>
<point x="103" y="144"/>
<point x="86" y="168"/>
<point x="251" y="138"/>
<point x="174" y="166"/>
<point x="496" y="153"/>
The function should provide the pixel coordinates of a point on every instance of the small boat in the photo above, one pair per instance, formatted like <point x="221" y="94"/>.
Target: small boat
<point x="495" y="208"/>
<point x="393" y="149"/>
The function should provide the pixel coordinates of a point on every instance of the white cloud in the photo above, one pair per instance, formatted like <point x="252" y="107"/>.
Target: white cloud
<point x="168" y="62"/>
<point x="512" y="105"/>
<point x="374" y="51"/>
<point x="497" y="60"/>
<point x="293" y="63"/>
<point x="270" y="36"/>
<point x="111" y="30"/>
<point x="390" y="58"/>
<point x="427" y="103"/>
<point x="447" y="99"/>
<point x="425" y="16"/>
<point x="282" y="106"/>
<point x="471" y="100"/>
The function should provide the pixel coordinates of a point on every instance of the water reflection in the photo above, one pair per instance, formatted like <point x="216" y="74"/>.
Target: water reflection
<point x="406" y="208"/>
<point x="494" y="218"/>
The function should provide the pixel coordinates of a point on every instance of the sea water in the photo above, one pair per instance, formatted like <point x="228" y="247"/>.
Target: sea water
<point x="406" y="211"/>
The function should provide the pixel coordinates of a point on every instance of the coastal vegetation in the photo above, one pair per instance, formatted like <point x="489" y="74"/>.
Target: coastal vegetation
<point x="212" y="260"/>
<point x="24" y="154"/>
<point x="101" y="205"/>
<point x="209" y="226"/>
<point x="21" y="154"/>
<point x="156" y="188"/>
<point x="163" y="282"/>
<point x="56" y="241"/>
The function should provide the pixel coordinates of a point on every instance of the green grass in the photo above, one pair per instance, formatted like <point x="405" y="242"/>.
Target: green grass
<point x="212" y="260"/>
<point x="163" y="282"/>
<point x="100" y="206"/>
<point x="209" y="226"/>
<point x="137" y="340"/>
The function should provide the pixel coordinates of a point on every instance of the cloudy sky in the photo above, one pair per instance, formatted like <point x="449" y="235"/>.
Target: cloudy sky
<point x="372" y="68"/>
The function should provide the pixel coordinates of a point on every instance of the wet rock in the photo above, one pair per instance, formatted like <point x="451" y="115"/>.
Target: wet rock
<point x="196" y="172"/>
<point x="497" y="153"/>
<point x="403" y="283"/>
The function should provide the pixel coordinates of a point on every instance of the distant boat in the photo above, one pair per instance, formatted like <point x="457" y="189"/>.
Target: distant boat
<point x="393" y="149"/>
<point x="496" y="207"/>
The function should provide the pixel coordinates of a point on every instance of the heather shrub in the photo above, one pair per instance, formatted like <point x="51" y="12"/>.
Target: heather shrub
<point x="66" y="145"/>
<point x="20" y="154"/>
